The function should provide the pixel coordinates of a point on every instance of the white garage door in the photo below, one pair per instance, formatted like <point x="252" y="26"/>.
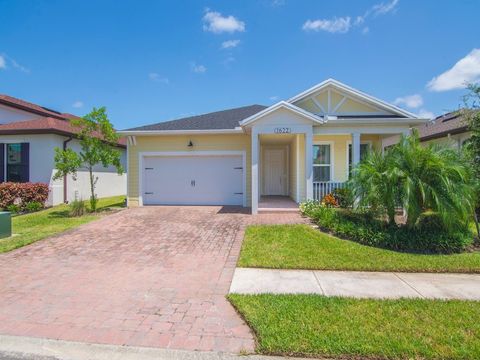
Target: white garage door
<point x="193" y="180"/>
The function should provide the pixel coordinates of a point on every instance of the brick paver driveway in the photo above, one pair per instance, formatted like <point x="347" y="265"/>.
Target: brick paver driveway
<point x="152" y="276"/>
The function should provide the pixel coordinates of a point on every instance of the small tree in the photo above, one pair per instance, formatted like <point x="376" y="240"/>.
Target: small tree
<point x="433" y="177"/>
<point x="97" y="139"/>
<point x="471" y="115"/>
<point x="418" y="177"/>
<point x="375" y="183"/>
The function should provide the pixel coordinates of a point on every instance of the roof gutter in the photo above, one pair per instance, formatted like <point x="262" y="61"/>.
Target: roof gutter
<point x="45" y="131"/>
<point x="179" y="132"/>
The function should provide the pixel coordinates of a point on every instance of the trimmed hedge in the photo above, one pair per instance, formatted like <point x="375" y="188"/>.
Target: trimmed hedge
<point x="428" y="236"/>
<point x="22" y="194"/>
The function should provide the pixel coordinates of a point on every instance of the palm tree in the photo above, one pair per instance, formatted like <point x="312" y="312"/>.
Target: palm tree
<point x="432" y="177"/>
<point x="417" y="177"/>
<point x="375" y="183"/>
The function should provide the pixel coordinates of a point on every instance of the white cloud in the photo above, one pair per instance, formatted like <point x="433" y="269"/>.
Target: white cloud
<point x="343" y="24"/>
<point x="425" y="114"/>
<point x="466" y="70"/>
<point x="77" y="104"/>
<point x="216" y="23"/>
<point x="273" y="98"/>
<point x="230" y="44"/>
<point x="198" y="68"/>
<point x="411" y="101"/>
<point x="336" y="25"/>
<point x="277" y="3"/>
<point x="6" y="61"/>
<point x="382" y="9"/>
<point x="156" y="77"/>
<point x="16" y="65"/>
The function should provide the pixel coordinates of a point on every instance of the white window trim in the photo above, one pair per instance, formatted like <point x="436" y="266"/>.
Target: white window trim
<point x="142" y="155"/>
<point x="349" y="142"/>
<point x="332" y="158"/>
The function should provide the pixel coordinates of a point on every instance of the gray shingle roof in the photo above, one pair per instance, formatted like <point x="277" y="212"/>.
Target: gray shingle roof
<point x="225" y="119"/>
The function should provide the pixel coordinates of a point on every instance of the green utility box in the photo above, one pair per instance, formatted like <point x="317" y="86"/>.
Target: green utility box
<point x="5" y="224"/>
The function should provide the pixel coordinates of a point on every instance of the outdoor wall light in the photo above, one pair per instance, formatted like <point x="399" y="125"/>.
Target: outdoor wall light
<point x="190" y="143"/>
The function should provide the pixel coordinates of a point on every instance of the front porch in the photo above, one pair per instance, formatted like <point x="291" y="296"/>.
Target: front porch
<point x="293" y="168"/>
<point x="276" y="204"/>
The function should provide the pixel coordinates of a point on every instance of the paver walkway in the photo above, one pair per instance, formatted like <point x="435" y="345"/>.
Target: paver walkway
<point x="357" y="284"/>
<point x="151" y="276"/>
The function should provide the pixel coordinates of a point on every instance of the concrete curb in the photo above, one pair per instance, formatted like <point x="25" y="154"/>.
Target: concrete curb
<point x="18" y="347"/>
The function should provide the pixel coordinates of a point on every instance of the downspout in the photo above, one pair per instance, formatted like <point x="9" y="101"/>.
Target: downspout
<point x="65" y="176"/>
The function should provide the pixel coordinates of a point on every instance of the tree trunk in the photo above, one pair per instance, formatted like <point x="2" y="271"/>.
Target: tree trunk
<point x="475" y="218"/>
<point x="93" y="199"/>
<point x="391" y="216"/>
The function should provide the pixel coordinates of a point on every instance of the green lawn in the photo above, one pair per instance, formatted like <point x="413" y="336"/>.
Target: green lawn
<point x="313" y="325"/>
<point x="302" y="247"/>
<point x="39" y="225"/>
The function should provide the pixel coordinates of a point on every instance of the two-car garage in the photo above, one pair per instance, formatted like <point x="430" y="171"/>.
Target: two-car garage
<point x="207" y="178"/>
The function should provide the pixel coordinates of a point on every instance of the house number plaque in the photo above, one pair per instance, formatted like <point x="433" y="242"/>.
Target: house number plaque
<point x="282" y="130"/>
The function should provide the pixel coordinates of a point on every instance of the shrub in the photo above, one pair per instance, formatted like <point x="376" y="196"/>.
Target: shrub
<point x="77" y="208"/>
<point x="22" y="194"/>
<point x="33" y="206"/>
<point x="13" y="208"/>
<point x="430" y="235"/>
<point x="344" y="197"/>
<point x="329" y="201"/>
<point x="307" y="207"/>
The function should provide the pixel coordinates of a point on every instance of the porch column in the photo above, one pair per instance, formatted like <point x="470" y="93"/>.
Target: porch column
<point x="254" y="171"/>
<point x="309" y="164"/>
<point x="355" y="148"/>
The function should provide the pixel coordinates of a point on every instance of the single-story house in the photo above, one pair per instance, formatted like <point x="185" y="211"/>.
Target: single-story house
<point x="301" y="148"/>
<point x="29" y="134"/>
<point x="448" y="129"/>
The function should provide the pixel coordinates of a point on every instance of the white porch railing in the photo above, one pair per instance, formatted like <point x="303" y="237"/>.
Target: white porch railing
<point x="322" y="188"/>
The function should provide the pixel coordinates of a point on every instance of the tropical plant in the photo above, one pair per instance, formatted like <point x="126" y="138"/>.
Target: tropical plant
<point x="471" y="114"/>
<point x="375" y="183"/>
<point x="97" y="139"/>
<point x="77" y="208"/>
<point x="433" y="177"/>
<point x="330" y="201"/>
<point x="417" y="177"/>
<point x="33" y="206"/>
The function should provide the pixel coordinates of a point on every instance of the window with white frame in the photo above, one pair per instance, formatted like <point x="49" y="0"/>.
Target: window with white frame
<point x="364" y="149"/>
<point x="322" y="162"/>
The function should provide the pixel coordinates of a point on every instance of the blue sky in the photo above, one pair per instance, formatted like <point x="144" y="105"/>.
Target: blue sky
<point x="150" y="61"/>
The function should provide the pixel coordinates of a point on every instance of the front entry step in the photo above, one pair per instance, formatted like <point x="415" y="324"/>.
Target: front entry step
<point x="277" y="210"/>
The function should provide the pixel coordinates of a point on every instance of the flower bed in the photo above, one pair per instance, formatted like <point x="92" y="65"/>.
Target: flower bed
<point x="430" y="235"/>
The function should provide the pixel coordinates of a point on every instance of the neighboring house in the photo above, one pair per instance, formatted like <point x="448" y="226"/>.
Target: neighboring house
<point x="29" y="134"/>
<point x="448" y="129"/>
<point x="300" y="148"/>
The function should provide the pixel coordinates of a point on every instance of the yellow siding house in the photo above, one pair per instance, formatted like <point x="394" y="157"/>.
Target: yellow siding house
<point x="297" y="149"/>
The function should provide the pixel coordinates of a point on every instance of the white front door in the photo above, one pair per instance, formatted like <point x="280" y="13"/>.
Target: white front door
<point x="193" y="180"/>
<point x="274" y="172"/>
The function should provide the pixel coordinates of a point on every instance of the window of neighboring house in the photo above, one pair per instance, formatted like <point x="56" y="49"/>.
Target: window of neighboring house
<point x="322" y="162"/>
<point x="364" y="148"/>
<point x="14" y="162"/>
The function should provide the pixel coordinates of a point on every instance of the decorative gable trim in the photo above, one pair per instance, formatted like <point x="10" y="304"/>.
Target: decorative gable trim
<point x="282" y="105"/>
<point x="353" y="94"/>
